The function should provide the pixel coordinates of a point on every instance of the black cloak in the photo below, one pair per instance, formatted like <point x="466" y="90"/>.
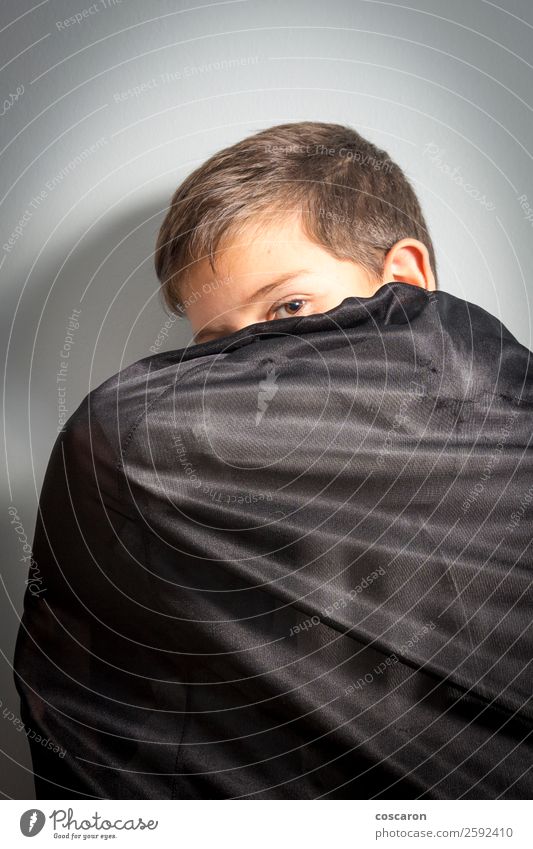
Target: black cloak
<point x="293" y="562"/>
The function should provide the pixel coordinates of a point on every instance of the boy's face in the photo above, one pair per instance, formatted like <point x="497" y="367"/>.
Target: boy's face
<point x="274" y="273"/>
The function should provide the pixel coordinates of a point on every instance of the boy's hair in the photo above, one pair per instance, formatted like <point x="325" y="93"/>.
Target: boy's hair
<point x="352" y="198"/>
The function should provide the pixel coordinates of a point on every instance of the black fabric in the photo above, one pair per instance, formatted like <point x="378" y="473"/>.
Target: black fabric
<point x="293" y="562"/>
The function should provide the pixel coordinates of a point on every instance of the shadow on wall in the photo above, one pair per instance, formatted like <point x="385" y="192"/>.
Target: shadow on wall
<point x="110" y="278"/>
<point x="103" y="311"/>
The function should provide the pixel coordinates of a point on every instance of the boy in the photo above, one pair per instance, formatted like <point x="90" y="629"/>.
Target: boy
<point x="311" y="198"/>
<point x="292" y="560"/>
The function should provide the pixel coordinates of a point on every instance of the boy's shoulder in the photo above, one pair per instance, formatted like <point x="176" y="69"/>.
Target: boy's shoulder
<point x="115" y="407"/>
<point x="463" y="347"/>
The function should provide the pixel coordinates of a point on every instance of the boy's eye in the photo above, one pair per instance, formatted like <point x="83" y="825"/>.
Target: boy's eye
<point x="292" y="308"/>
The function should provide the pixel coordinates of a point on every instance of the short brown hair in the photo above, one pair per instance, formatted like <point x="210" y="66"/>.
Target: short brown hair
<point x="353" y="199"/>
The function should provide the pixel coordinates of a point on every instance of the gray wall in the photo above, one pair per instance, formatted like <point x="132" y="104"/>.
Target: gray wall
<point x="444" y="87"/>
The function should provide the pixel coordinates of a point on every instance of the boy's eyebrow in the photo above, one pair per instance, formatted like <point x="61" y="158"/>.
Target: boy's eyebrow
<point x="283" y="278"/>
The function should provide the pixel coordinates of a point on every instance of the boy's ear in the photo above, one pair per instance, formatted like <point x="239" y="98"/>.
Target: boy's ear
<point x="408" y="262"/>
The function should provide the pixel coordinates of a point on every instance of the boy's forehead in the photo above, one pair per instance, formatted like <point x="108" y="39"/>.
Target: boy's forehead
<point x="248" y="260"/>
<point x="256" y="254"/>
